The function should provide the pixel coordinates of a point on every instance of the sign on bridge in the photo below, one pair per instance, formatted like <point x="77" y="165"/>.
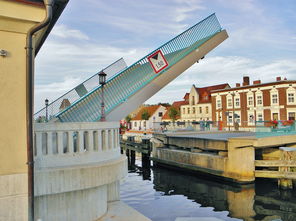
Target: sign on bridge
<point x="158" y="61"/>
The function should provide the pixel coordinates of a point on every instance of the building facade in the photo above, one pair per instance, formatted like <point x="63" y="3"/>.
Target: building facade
<point x="248" y="103"/>
<point x="199" y="105"/>
<point x="155" y="112"/>
<point x="17" y="18"/>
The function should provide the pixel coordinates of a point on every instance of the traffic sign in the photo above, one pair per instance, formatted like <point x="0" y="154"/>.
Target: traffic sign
<point x="158" y="61"/>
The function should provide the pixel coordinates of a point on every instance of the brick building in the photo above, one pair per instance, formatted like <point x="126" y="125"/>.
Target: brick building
<point x="248" y="103"/>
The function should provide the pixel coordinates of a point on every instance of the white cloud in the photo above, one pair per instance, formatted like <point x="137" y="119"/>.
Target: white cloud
<point x="185" y="8"/>
<point x="62" y="31"/>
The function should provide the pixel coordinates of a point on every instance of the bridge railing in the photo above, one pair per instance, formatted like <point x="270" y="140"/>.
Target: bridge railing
<point x="70" y="144"/>
<point x="275" y="128"/>
<point x="64" y="101"/>
<point x="126" y="83"/>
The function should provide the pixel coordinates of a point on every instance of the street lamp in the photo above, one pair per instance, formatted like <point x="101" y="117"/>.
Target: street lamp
<point x="46" y="109"/>
<point x="102" y="81"/>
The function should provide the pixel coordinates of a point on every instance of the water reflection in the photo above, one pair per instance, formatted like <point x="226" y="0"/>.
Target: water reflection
<point x="262" y="201"/>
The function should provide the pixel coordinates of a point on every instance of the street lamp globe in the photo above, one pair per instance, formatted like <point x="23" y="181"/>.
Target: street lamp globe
<point x="102" y="77"/>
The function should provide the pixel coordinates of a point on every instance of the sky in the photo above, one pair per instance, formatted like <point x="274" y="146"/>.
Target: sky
<point x="91" y="34"/>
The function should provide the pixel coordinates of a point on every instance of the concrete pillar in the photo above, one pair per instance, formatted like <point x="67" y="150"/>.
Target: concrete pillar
<point x="241" y="160"/>
<point x="286" y="154"/>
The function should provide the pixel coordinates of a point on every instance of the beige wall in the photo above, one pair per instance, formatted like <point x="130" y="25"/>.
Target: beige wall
<point x="15" y="21"/>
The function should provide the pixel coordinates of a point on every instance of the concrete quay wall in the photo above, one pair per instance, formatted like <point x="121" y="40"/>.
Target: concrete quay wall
<point x="228" y="156"/>
<point x="231" y="159"/>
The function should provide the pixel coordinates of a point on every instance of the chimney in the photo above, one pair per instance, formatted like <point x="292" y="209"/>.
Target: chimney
<point x="278" y="78"/>
<point x="237" y="85"/>
<point x="246" y="81"/>
<point x="257" y="82"/>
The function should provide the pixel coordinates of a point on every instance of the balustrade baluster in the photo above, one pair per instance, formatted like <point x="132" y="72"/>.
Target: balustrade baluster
<point x="60" y="142"/>
<point x="70" y="147"/>
<point x="112" y="138"/>
<point x="38" y="145"/>
<point x="106" y="140"/>
<point x="100" y="144"/>
<point x="49" y="143"/>
<point x="90" y="140"/>
<point x="80" y="141"/>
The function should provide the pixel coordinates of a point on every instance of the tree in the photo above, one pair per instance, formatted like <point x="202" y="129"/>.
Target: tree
<point x="128" y="119"/>
<point x="145" y="116"/>
<point x="173" y="113"/>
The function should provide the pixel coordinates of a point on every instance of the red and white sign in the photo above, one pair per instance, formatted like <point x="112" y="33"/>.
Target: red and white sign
<point x="158" y="61"/>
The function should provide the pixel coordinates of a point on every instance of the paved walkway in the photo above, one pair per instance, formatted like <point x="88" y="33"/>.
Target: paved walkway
<point x="119" y="211"/>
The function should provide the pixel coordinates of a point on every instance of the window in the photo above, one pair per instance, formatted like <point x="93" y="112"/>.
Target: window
<point x="206" y="97"/>
<point x="188" y="110"/>
<point x="193" y="110"/>
<point x="230" y="119"/>
<point x="250" y="101"/>
<point x="259" y="120"/>
<point x="144" y="124"/>
<point x="259" y="100"/>
<point x="219" y="103"/>
<point x="183" y="110"/>
<point x="274" y="98"/>
<point x="200" y="110"/>
<point x="193" y="101"/>
<point x="291" y="116"/>
<point x="207" y="110"/>
<point x="237" y="102"/>
<point x="135" y="124"/>
<point x="229" y="102"/>
<point x="251" y="118"/>
<point x="291" y="98"/>
<point x="160" y="114"/>
<point x="237" y="118"/>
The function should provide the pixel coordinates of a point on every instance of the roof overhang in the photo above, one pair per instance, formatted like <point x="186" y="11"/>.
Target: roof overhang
<point x="58" y="8"/>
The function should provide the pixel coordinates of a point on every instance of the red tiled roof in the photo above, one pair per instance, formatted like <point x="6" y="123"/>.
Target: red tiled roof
<point x="151" y="109"/>
<point x="186" y="97"/>
<point x="205" y="92"/>
<point x="176" y="105"/>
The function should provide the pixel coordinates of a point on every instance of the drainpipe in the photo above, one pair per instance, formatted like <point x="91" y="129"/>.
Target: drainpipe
<point x="30" y="55"/>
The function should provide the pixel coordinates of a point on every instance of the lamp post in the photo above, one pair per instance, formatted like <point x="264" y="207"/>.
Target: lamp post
<point x="46" y="109"/>
<point x="102" y="80"/>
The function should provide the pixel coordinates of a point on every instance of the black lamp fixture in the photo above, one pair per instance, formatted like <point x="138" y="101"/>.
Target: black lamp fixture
<point x="46" y="109"/>
<point x="102" y="78"/>
<point x="102" y="81"/>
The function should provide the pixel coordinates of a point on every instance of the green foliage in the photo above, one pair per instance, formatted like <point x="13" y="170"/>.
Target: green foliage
<point x="128" y="118"/>
<point x="173" y="113"/>
<point x="145" y="115"/>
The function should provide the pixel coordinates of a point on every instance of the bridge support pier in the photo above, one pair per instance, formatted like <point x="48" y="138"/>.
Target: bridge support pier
<point x="145" y="160"/>
<point x="133" y="157"/>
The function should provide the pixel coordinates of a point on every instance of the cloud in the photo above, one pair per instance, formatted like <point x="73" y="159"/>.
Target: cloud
<point x="62" y="31"/>
<point x="184" y="9"/>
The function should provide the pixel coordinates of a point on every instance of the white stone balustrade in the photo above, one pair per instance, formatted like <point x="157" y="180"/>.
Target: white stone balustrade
<point x="70" y="144"/>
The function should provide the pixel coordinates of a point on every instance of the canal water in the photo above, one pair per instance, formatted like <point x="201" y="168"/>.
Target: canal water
<point x="164" y="195"/>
